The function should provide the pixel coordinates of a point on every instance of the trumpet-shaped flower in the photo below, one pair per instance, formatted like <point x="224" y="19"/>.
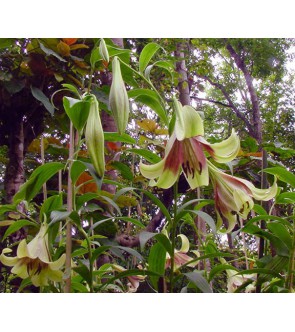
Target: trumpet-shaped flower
<point x="133" y="280"/>
<point x="33" y="260"/>
<point x="234" y="196"/>
<point x="180" y="256"/>
<point x="185" y="152"/>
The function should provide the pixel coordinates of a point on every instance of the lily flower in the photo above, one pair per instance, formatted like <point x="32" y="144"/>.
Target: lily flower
<point x="184" y="152"/>
<point x="234" y="196"/>
<point x="180" y="256"/>
<point x="33" y="260"/>
<point x="133" y="281"/>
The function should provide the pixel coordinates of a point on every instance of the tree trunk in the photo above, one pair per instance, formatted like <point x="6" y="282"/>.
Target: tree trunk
<point x="14" y="175"/>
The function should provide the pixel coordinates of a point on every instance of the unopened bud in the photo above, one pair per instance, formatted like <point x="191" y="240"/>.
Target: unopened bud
<point x="119" y="102"/>
<point x="94" y="137"/>
<point x="104" y="51"/>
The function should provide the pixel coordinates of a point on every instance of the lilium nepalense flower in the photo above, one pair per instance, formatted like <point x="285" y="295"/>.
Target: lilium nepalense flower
<point x="185" y="152"/>
<point x="33" y="260"/>
<point x="234" y="196"/>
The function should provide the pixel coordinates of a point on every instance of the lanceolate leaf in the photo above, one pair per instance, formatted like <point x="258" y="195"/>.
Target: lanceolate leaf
<point x="282" y="174"/>
<point x="39" y="95"/>
<point x="16" y="226"/>
<point x="146" y="54"/>
<point x="197" y="279"/>
<point x="156" y="262"/>
<point x="52" y="203"/>
<point x="150" y="99"/>
<point x="35" y="182"/>
<point x="116" y="137"/>
<point x="148" y="155"/>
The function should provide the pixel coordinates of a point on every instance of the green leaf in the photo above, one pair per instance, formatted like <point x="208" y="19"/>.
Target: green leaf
<point x="116" y="137"/>
<point x="146" y="54"/>
<point x="72" y="88"/>
<point x="16" y="226"/>
<point x="81" y="200"/>
<point x="156" y="262"/>
<point x="84" y="272"/>
<point x="52" y="203"/>
<point x="144" y="237"/>
<point x="123" y="169"/>
<point x="77" y="110"/>
<point x="286" y="198"/>
<point x="35" y="182"/>
<point x="39" y="95"/>
<point x="281" y="232"/>
<point x="282" y="174"/>
<point x="205" y="216"/>
<point x="77" y="168"/>
<point x="166" y="65"/>
<point x="6" y="42"/>
<point x="151" y="99"/>
<point x="48" y="51"/>
<point x="220" y="268"/>
<point x="197" y="279"/>
<point x="146" y="154"/>
<point x="79" y="287"/>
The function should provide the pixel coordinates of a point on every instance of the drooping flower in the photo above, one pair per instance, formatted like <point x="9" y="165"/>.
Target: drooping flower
<point x="234" y="196"/>
<point x="133" y="280"/>
<point x="33" y="260"/>
<point x="185" y="152"/>
<point x="180" y="256"/>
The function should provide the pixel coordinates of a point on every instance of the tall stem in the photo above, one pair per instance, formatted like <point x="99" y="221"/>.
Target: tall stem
<point x="67" y="288"/>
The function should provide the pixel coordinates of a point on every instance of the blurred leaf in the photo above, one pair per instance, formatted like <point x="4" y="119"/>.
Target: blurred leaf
<point x="77" y="169"/>
<point x="156" y="262"/>
<point x="286" y="198"/>
<point x="123" y="169"/>
<point x="220" y="268"/>
<point x="39" y="95"/>
<point x="281" y="232"/>
<point x="52" y="203"/>
<point x="197" y="279"/>
<point x="16" y="226"/>
<point x="48" y="51"/>
<point x="35" y="182"/>
<point x="116" y="137"/>
<point x="148" y="155"/>
<point x="146" y="54"/>
<point x="282" y="174"/>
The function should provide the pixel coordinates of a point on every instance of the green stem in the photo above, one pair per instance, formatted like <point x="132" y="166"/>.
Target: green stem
<point x="173" y="236"/>
<point x="89" y="257"/>
<point x="291" y="266"/>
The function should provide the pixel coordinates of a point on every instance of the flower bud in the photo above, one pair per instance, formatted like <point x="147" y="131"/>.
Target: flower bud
<point x="94" y="137"/>
<point x="103" y="51"/>
<point x="119" y="102"/>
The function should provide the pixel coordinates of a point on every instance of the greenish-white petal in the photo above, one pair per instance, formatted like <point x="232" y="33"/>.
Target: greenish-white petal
<point x="152" y="171"/>
<point x="225" y="151"/>
<point x="184" y="243"/>
<point x="20" y="269"/>
<point x="196" y="180"/>
<point x="6" y="260"/>
<point x="22" y="249"/>
<point x="56" y="265"/>
<point x="167" y="179"/>
<point x="188" y="123"/>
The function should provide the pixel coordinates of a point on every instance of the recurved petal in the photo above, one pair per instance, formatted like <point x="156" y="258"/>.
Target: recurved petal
<point x="263" y="194"/>
<point x="225" y="151"/>
<point x="152" y="171"/>
<point x="56" y="265"/>
<point x="184" y="243"/>
<point x="243" y="202"/>
<point x="8" y="261"/>
<point x="55" y="275"/>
